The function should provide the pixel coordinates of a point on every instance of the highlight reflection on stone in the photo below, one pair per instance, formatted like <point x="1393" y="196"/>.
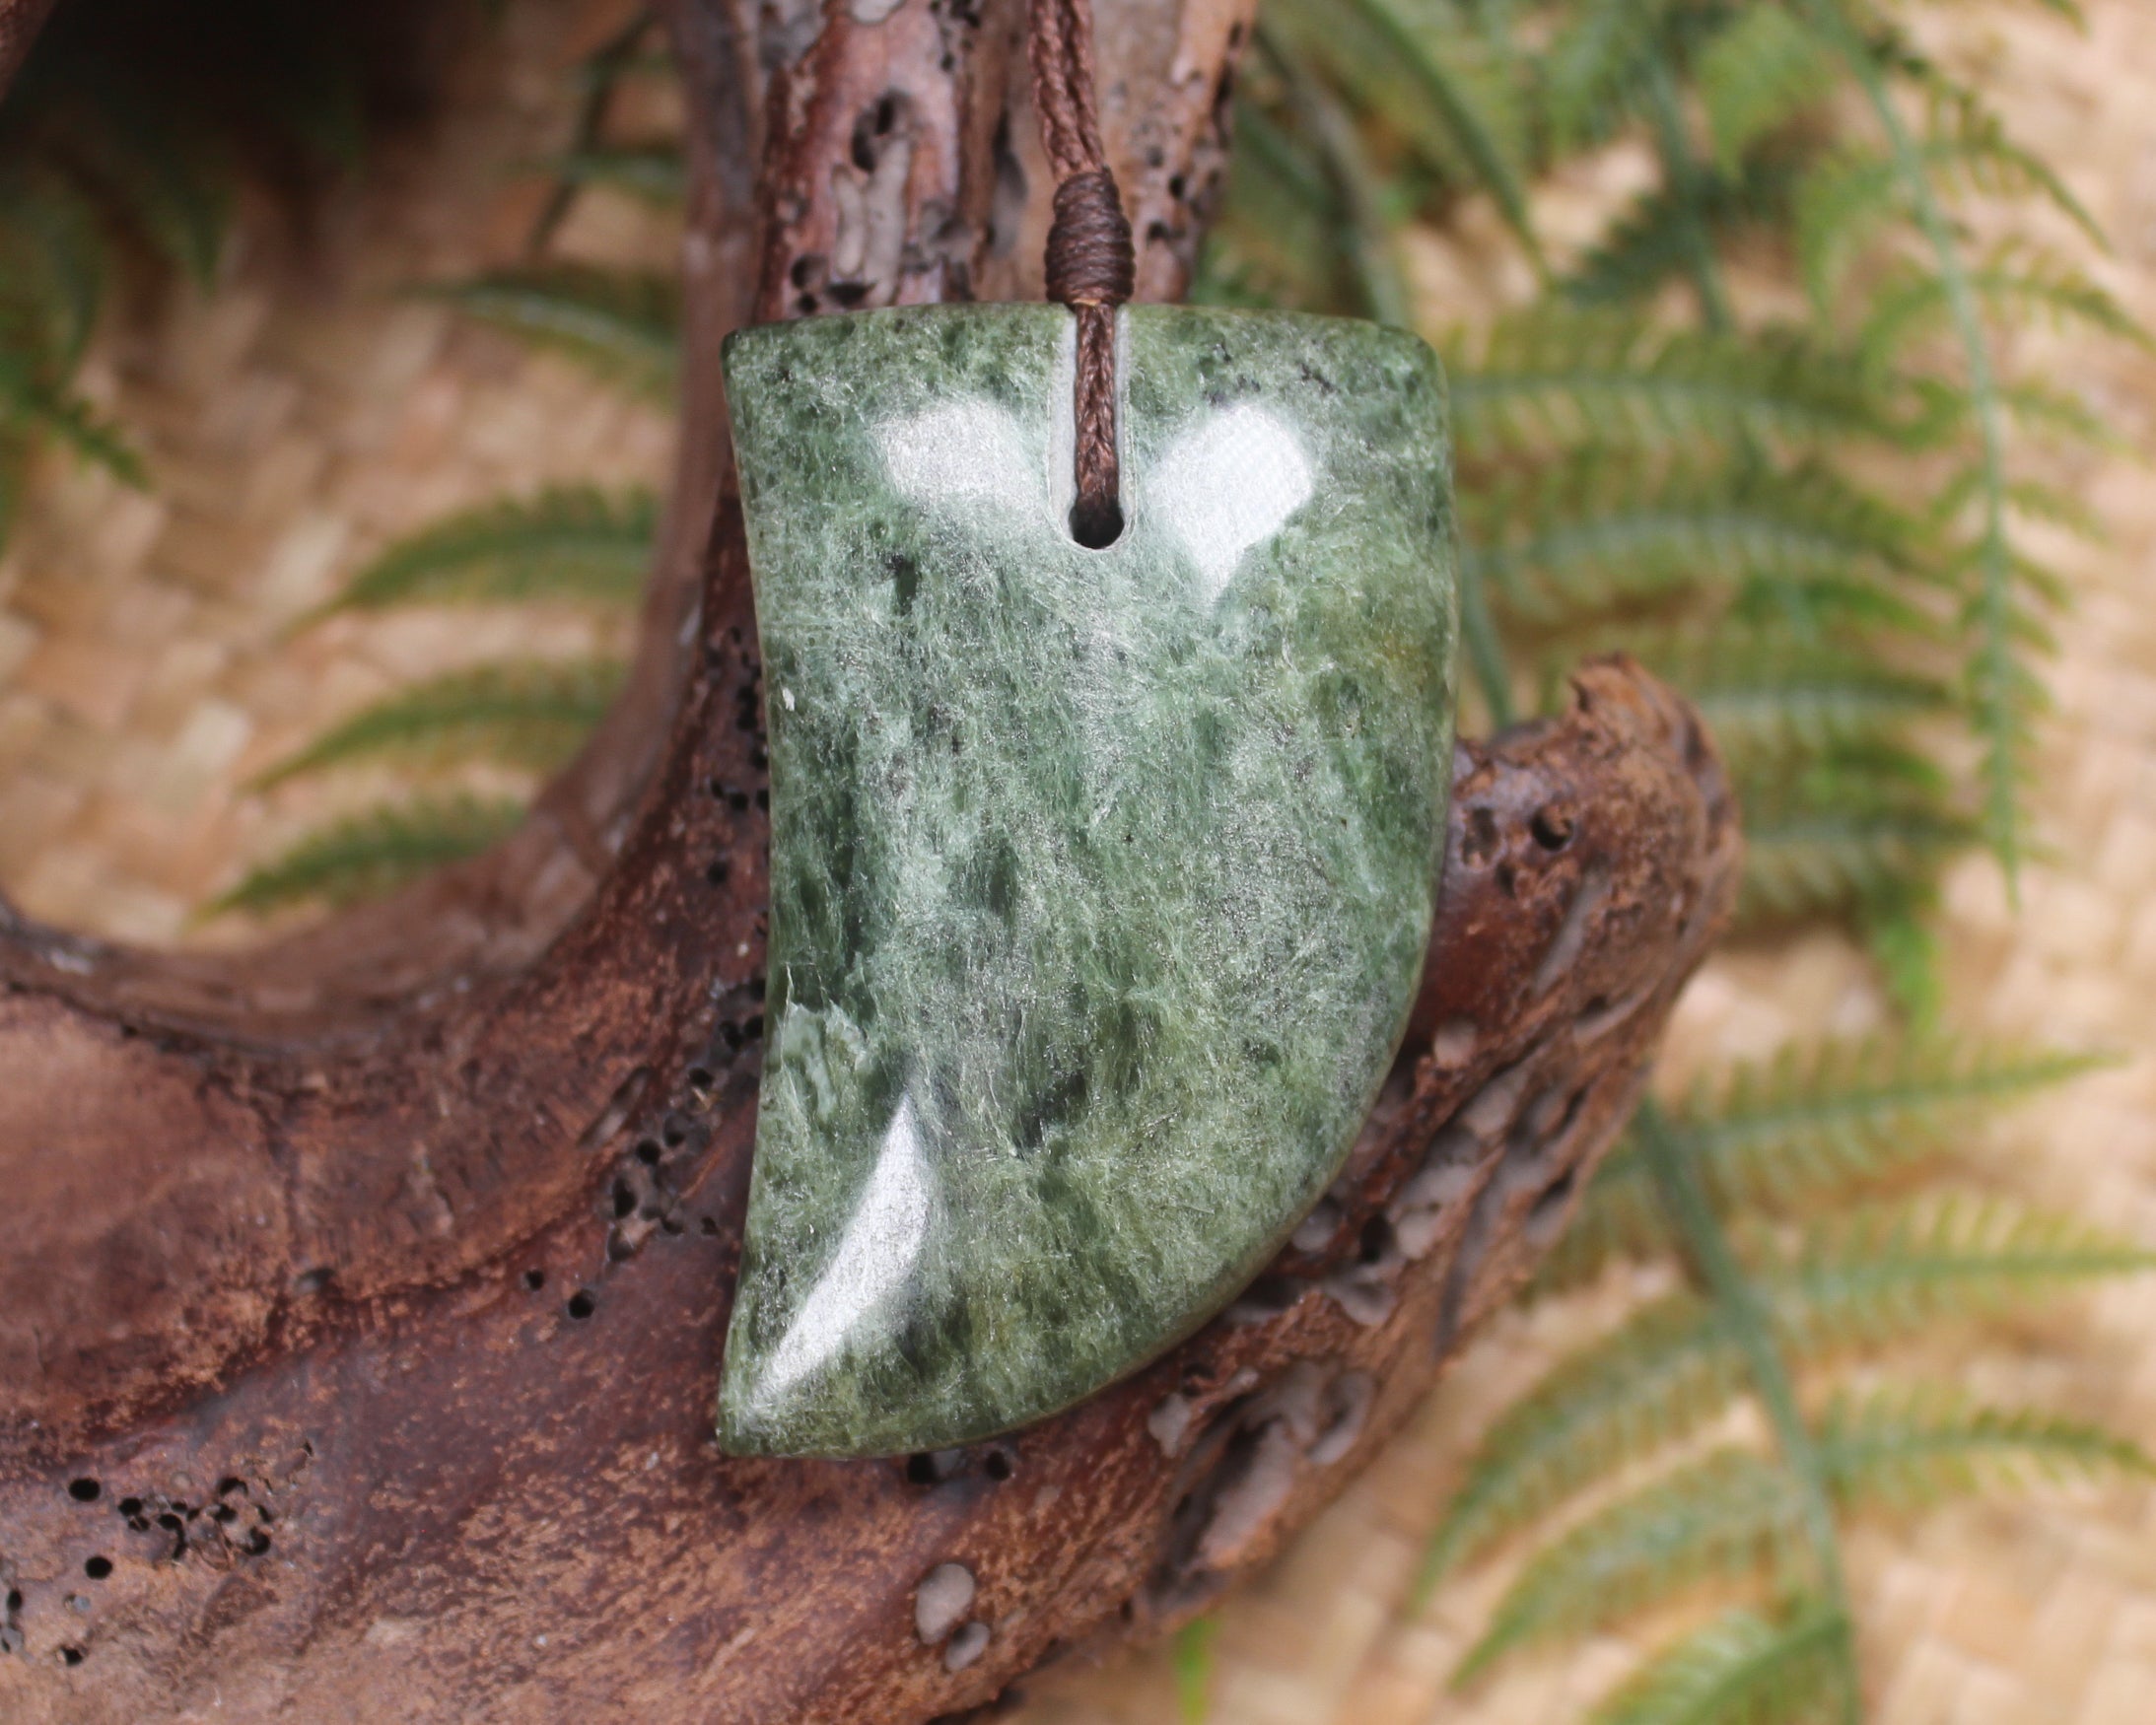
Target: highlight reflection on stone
<point x="1100" y="879"/>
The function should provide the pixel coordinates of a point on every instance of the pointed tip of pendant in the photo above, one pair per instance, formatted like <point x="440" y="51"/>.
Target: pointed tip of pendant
<point x="749" y="1422"/>
<point x="766" y="1411"/>
<point x="799" y="1430"/>
<point x="839" y="1413"/>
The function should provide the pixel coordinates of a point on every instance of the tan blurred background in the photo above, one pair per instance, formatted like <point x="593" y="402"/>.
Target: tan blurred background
<point x="311" y="412"/>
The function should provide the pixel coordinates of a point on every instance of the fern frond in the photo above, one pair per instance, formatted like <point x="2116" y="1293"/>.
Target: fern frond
<point x="1998" y="681"/>
<point x="1665" y="1370"/>
<point x="1767" y="697"/>
<point x="1988" y="160"/>
<point x="1742" y="1669"/>
<point x="31" y="404"/>
<point x="573" y="544"/>
<point x="162" y="177"/>
<point x="1446" y="98"/>
<point x="1866" y="1277"/>
<point x="2003" y="695"/>
<point x="1273" y="244"/>
<point x="1649" y="244"/>
<point x="1831" y="841"/>
<point x="532" y="715"/>
<point x="1844" y="201"/>
<point x="372" y="855"/>
<point x="1811" y="1126"/>
<point x="623" y="325"/>
<point x="1559" y="375"/>
<point x="1601" y="534"/>
<point x="1901" y="934"/>
<point x="1755" y="75"/>
<point x="618" y="57"/>
<point x="55" y="263"/>
<point x="1817" y="1122"/>
<point x="1728" y="1515"/>
<point x="2016" y="279"/>
<point x="1597" y="62"/>
<point x="651" y="173"/>
<point x="1854" y="1282"/>
<point x="1357" y="194"/>
<point x="1734" y="1513"/>
<point x="1910" y="1447"/>
<point x="2053" y="413"/>
<point x="2031" y="499"/>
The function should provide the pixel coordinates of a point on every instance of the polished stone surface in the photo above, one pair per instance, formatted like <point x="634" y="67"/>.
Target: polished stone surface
<point x="1100" y="879"/>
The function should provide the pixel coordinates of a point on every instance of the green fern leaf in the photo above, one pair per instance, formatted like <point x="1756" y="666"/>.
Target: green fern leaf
<point x="1734" y="1514"/>
<point x="2003" y="695"/>
<point x="372" y="855"/>
<point x="532" y="716"/>
<point x="2015" y="280"/>
<point x="1978" y="149"/>
<point x="160" y="175"/>
<point x="1650" y="243"/>
<point x="619" y="57"/>
<point x="1767" y="697"/>
<point x="1859" y="1279"/>
<point x="1438" y="88"/>
<point x="1553" y="375"/>
<point x="2053" y="413"/>
<point x="1598" y="533"/>
<point x="1833" y="841"/>
<point x="1844" y="201"/>
<point x="1742" y="1669"/>
<point x="1731" y="1514"/>
<point x="1755" y="75"/>
<point x="1597" y="62"/>
<point x="2031" y="499"/>
<point x="1362" y="196"/>
<point x="650" y="174"/>
<point x="54" y="264"/>
<point x="1666" y="1370"/>
<point x="1901" y="932"/>
<point x="1809" y="1126"/>
<point x="1855" y="1282"/>
<point x="30" y="404"/>
<point x="1275" y="242"/>
<point x="623" y="327"/>
<point x="573" y="544"/>
<point x="1907" y="1448"/>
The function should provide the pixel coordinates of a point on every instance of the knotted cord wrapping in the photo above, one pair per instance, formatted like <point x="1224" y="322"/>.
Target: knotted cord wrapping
<point x="1092" y="266"/>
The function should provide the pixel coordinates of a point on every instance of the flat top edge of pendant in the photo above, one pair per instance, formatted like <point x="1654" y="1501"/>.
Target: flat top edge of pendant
<point x="839" y="326"/>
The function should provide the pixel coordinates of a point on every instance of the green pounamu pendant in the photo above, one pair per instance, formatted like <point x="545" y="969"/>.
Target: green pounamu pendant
<point x="1100" y="879"/>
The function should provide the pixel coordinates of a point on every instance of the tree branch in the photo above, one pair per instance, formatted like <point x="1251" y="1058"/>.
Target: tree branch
<point x="494" y="1494"/>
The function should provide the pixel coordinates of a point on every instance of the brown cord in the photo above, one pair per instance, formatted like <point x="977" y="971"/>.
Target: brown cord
<point x="1092" y="266"/>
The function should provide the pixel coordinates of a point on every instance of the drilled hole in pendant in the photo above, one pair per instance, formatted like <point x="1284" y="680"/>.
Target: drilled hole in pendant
<point x="1096" y="522"/>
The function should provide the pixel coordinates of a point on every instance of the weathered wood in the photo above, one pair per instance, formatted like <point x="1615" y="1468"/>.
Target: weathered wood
<point x="361" y="1299"/>
<point x="429" y="1491"/>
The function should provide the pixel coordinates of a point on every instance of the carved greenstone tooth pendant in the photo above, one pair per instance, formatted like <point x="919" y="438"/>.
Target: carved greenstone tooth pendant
<point x="1100" y="879"/>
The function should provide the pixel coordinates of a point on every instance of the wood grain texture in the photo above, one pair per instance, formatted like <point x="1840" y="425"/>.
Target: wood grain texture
<point x="374" y="1464"/>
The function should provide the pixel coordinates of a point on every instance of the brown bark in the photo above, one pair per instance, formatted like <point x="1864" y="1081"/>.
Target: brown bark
<point x="424" y="1487"/>
<point x="361" y="1299"/>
